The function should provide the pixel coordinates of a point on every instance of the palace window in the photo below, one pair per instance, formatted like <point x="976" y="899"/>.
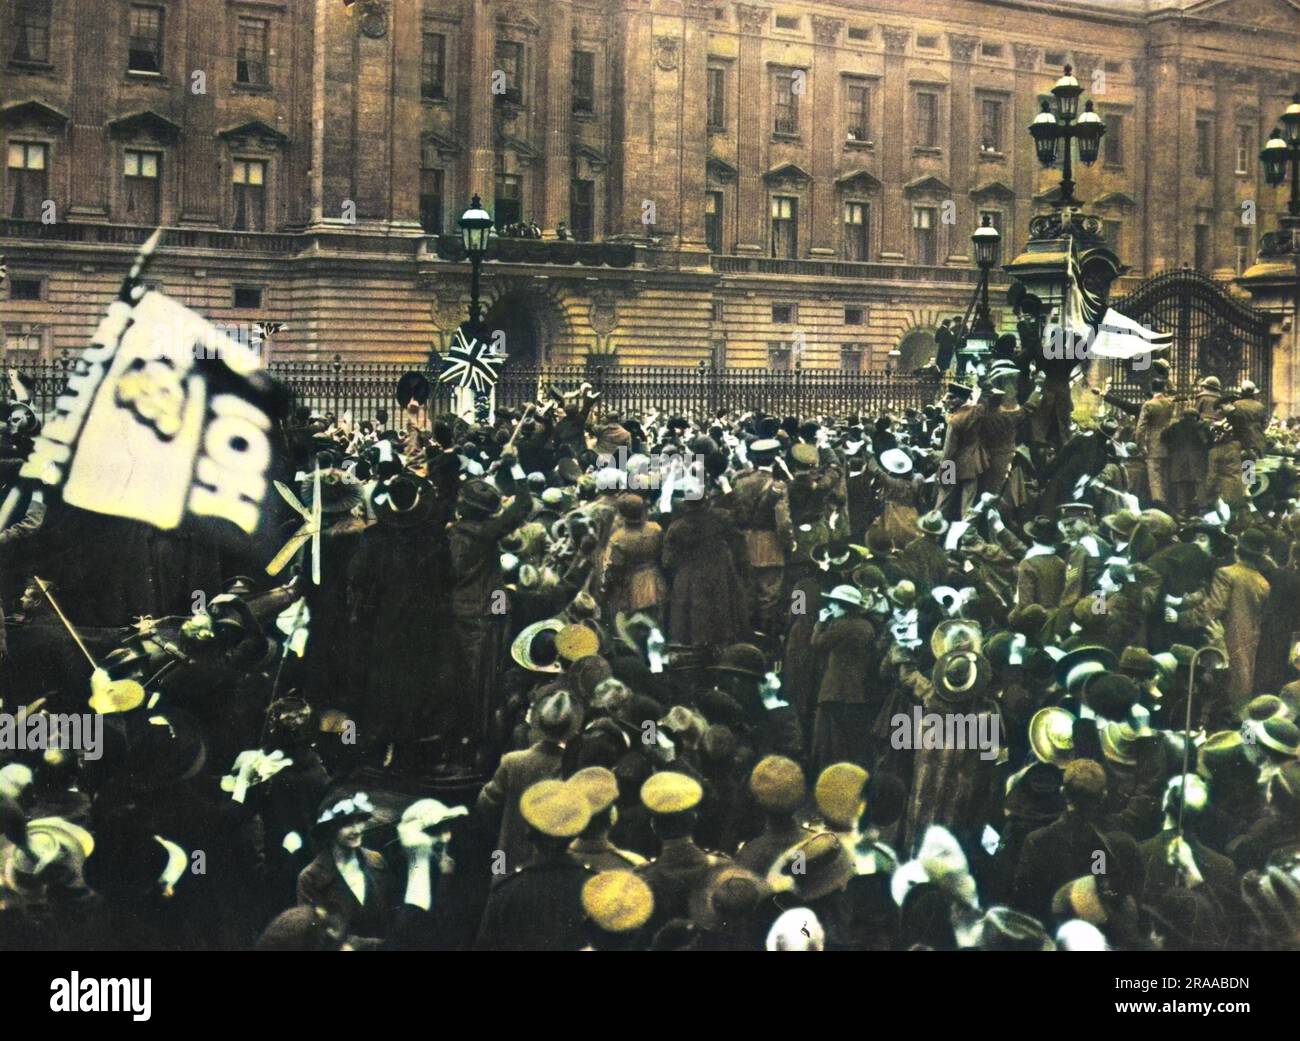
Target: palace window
<point x="431" y="192"/>
<point x="582" y="209"/>
<point x="1245" y="147"/>
<point x="990" y="125"/>
<point x="145" y="47"/>
<point x="713" y="221"/>
<point x="857" y="233"/>
<point x="249" y="182"/>
<point x="1242" y="245"/>
<point x="717" y="99"/>
<point x="508" y="200"/>
<point x="142" y="180"/>
<point x="925" y="234"/>
<point x="785" y="226"/>
<point x="927" y="119"/>
<point x="251" y="52"/>
<point x="247" y="298"/>
<point x="1204" y="147"/>
<point x="433" y="67"/>
<point x="510" y="62"/>
<point x="857" y="97"/>
<point x="32" y="31"/>
<point x="27" y="183"/>
<point x="785" y="103"/>
<point x="584" y="81"/>
<point x="1114" y="139"/>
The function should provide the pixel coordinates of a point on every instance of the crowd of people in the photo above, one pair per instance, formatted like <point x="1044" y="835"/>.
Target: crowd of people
<point x="984" y="674"/>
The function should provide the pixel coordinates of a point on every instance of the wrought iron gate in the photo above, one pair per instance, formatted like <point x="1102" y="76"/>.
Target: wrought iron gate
<point x="1214" y="335"/>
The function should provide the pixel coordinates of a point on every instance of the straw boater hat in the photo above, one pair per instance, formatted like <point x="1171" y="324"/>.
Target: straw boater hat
<point x="932" y="523"/>
<point x="526" y="650"/>
<point x="960" y="677"/>
<point x="1051" y="735"/>
<point x="826" y="866"/>
<point x="956" y="634"/>
<point x="895" y="461"/>
<point x="850" y="596"/>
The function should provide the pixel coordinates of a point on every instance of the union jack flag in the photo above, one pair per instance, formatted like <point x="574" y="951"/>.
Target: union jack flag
<point x="469" y="363"/>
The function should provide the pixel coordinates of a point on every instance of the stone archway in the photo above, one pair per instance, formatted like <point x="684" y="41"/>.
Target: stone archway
<point x="916" y="348"/>
<point x="526" y="322"/>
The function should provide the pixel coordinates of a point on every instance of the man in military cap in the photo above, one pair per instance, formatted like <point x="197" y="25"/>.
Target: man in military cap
<point x="778" y="786"/>
<point x="477" y="597"/>
<point x="1248" y="419"/>
<point x="761" y="506"/>
<point x="592" y="848"/>
<point x="681" y="868"/>
<point x="538" y="907"/>
<point x="964" y="457"/>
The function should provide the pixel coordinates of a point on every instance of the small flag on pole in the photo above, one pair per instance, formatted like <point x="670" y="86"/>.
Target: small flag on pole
<point x="469" y="363"/>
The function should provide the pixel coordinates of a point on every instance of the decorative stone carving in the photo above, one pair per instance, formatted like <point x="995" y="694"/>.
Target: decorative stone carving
<point x="373" y="19"/>
<point x="896" y="38"/>
<point x="753" y="20"/>
<point x="1026" y="56"/>
<point x="963" y="47"/>
<point x="603" y="312"/>
<point x="666" y="52"/>
<point x="826" y="30"/>
<point x="1085" y="65"/>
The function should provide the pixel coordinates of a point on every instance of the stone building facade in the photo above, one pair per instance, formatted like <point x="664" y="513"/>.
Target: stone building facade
<point x="751" y="184"/>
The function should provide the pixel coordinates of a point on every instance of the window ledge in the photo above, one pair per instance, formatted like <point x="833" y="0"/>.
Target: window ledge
<point x="926" y="150"/>
<point x="860" y="146"/>
<point x="137" y="76"/>
<point x="716" y="129"/>
<point x="785" y="137"/>
<point x="30" y="66"/>
<point x="583" y="115"/>
<point x="992" y="157"/>
<point x="1112" y="166"/>
<point x="252" y="88"/>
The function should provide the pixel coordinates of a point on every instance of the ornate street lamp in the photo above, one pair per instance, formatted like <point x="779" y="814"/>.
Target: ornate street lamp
<point x="1058" y="125"/>
<point x="1282" y="155"/>
<point x="979" y="341"/>
<point x="475" y="232"/>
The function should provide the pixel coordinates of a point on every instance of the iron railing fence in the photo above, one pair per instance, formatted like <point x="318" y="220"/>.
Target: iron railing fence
<point x="364" y="389"/>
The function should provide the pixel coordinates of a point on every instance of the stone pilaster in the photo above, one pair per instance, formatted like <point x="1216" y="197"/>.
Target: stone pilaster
<point x="751" y="132"/>
<point x="825" y="135"/>
<point x="894" y="226"/>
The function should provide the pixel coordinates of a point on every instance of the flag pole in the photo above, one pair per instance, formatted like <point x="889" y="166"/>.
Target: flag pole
<point x="44" y="586"/>
<point x="132" y="290"/>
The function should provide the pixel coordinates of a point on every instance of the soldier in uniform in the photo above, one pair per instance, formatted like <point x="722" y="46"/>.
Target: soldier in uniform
<point x="593" y="849"/>
<point x="478" y="580"/>
<point x="963" y="448"/>
<point x="539" y="906"/>
<point x="761" y="505"/>
<point x="778" y="786"/>
<point x="682" y="868"/>
<point x="1154" y="419"/>
<point x="1249" y="419"/>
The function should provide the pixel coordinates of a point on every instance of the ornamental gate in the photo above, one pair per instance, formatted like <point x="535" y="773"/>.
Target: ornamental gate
<point x="1214" y="335"/>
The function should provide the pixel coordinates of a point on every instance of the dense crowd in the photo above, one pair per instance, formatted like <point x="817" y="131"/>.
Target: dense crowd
<point x="1017" y="670"/>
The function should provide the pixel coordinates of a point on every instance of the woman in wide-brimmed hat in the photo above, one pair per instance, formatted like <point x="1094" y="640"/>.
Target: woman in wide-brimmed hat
<point x="632" y="580"/>
<point x="843" y="640"/>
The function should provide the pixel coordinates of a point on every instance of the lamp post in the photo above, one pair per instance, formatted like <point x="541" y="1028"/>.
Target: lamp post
<point x="1058" y="125"/>
<point x="1282" y="155"/>
<point x="475" y="231"/>
<point x="979" y="341"/>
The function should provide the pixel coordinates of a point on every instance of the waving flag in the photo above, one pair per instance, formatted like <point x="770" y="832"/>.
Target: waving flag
<point x="164" y="419"/>
<point x="469" y="363"/>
